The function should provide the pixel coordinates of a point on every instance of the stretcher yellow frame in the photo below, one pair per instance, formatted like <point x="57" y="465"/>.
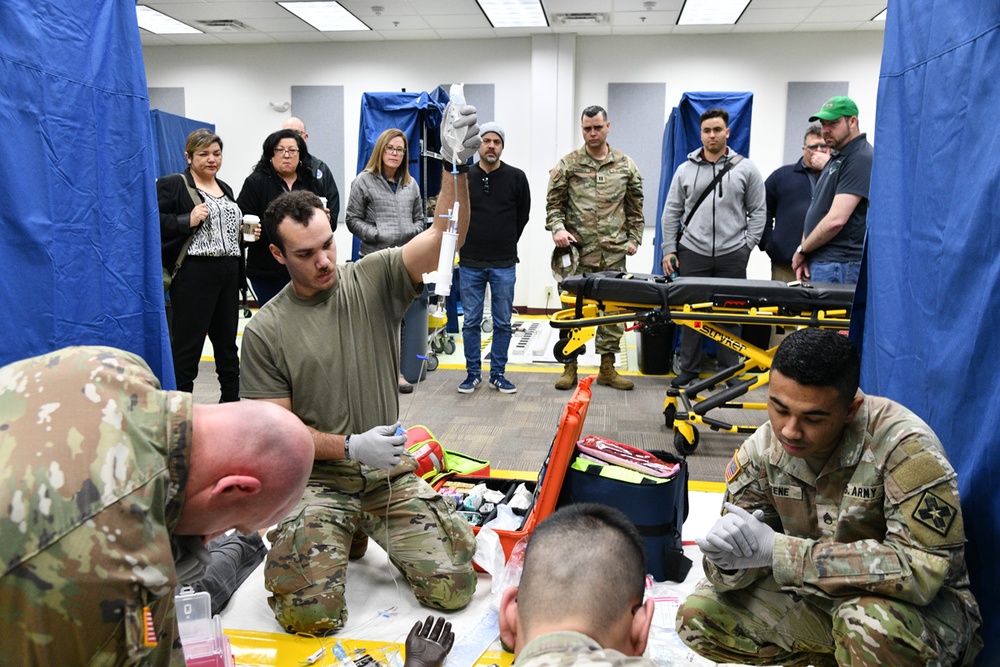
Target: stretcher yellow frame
<point x="684" y="409"/>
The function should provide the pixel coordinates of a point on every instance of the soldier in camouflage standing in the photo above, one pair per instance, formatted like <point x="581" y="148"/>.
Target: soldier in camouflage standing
<point x="104" y="477"/>
<point x="594" y="201"/>
<point x="577" y="606"/>
<point x="843" y="540"/>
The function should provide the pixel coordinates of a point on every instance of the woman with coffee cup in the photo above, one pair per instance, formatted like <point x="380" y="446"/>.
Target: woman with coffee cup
<point x="283" y="167"/>
<point x="385" y="209"/>
<point x="199" y="217"/>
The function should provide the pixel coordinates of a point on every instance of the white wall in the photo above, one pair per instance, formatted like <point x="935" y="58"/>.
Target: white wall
<point x="541" y="83"/>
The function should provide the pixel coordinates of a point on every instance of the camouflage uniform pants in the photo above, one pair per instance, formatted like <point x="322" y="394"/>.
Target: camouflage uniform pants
<point x="609" y="336"/>
<point x="306" y="569"/>
<point x="763" y="625"/>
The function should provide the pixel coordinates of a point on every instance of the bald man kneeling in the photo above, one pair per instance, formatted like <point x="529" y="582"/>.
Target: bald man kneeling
<point x="100" y="470"/>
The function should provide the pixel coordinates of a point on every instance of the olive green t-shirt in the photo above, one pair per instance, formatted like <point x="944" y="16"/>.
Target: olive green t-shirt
<point x="336" y="354"/>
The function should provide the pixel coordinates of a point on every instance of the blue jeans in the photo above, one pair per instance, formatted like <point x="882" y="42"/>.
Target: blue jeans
<point x="845" y="273"/>
<point x="473" y="287"/>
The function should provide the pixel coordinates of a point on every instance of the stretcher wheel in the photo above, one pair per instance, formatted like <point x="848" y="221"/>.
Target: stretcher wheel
<point x="439" y="344"/>
<point x="668" y="415"/>
<point x="432" y="362"/>
<point x="683" y="447"/>
<point x="449" y="346"/>
<point x="486" y="326"/>
<point x="559" y="351"/>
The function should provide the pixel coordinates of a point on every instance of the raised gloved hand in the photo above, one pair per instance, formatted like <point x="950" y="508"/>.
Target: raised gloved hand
<point x="378" y="447"/>
<point x="459" y="135"/>
<point x="428" y="643"/>
<point x="739" y="540"/>
<point x="191" y="558"/>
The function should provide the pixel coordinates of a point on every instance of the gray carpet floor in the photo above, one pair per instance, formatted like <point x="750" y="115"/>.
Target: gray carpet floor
<point x="515" y="431"/>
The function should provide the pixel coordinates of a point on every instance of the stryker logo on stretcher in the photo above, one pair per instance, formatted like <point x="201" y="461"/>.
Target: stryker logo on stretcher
<point x="720" y="336"/>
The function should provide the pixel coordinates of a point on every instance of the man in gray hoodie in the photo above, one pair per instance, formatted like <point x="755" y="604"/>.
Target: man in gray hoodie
<point x="711" y="236"/>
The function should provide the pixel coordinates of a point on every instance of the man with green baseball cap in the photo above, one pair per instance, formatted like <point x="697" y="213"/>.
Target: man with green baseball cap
<point x="834" y="228"/>
<point x="836" y="107"/>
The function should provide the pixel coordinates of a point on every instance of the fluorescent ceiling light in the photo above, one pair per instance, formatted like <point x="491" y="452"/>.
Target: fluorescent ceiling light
<point x="325" y="16"/>
<point x="514" y="13"/>
<point x="161" y="24"/>
<point x="880" y="16"/>
<point x="712" y="12"/>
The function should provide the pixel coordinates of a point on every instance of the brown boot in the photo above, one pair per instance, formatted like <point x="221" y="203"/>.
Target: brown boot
<point x="609" y="376"/>
<point x="359" y="545"/>
<point x="568" y="378"/>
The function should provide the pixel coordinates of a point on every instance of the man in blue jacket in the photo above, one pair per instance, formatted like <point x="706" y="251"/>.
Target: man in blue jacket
<point x="711" y="236"/>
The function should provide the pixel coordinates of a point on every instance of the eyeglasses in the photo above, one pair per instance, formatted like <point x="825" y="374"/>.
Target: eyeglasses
<point x="286" y="151"/>
<point x="486" y="185"/>
<point x="817" y="147"/>
<point x="394" y="150"/>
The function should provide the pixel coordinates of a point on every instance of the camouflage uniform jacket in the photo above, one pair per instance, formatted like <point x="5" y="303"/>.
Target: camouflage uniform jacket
<point x="598" y="202"/>
<point x="562" y="649"/>
<point x="94" y="460"/>
<point x="881" y="518"/>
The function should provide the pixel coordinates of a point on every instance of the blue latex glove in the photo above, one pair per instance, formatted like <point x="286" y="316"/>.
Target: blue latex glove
<point x="739" y="540"/>
<point x="378" y="447"/>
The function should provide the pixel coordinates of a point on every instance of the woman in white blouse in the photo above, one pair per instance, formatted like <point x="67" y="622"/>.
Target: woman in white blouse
<point x="196" y="206"/>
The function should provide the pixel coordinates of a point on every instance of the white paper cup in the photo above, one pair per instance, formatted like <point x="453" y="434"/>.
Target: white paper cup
<point x="250" y="224"/>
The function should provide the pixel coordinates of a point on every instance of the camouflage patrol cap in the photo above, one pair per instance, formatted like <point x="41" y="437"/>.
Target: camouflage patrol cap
<point x="565" y="261"/>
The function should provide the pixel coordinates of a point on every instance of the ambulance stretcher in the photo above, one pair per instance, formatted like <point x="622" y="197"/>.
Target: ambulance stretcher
<point x="701" y="304"/>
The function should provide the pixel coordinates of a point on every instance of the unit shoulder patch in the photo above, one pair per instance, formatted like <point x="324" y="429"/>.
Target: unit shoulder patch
<point x="934" y="517"/>
<point x="935" y="513"/>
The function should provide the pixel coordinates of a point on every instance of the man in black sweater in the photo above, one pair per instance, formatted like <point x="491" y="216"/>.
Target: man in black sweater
<point x="500" y="200"/>
<point x="788" y="194"/>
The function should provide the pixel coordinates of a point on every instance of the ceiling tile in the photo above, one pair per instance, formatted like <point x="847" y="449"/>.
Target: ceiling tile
<point x="774" y="16"/>
<point x="667" y="19"/>
<point x="398" y="22"/>
<point x="843" y="14"/>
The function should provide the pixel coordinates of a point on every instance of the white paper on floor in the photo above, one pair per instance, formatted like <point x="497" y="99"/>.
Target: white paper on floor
<point x="379" y="611"/>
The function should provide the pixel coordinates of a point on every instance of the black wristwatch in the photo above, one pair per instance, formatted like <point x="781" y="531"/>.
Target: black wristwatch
<point x="462" y="168"/>
<point x="347" y="448"/>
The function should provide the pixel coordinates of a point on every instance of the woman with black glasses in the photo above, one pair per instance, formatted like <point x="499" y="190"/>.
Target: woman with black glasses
<point x="283" y="167"/>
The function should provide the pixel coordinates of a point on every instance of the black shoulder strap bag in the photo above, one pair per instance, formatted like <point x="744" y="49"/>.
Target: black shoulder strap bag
<point x="168" y="278"/>
<point x="736" y="159"/>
